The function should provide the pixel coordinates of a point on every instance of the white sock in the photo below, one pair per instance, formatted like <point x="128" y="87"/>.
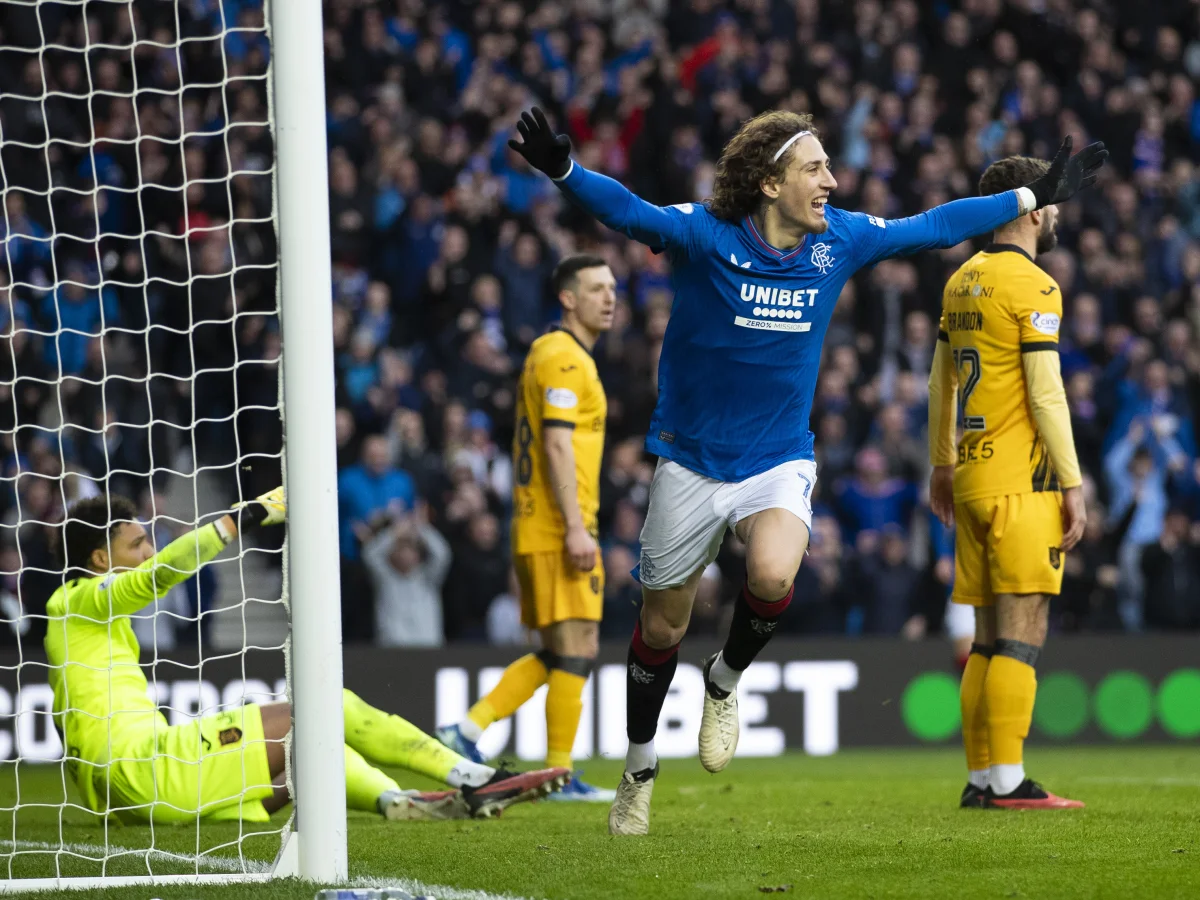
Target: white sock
<point x="1006" y="777"/>
<point x="469" y="774"/>
<point x="640" y="757"/>
<point x="979" y="777"/>
<point x="470" y="730"/>
<point x="722" y="675"/>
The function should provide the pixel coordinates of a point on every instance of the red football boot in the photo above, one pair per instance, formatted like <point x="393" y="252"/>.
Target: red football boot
<point x="1029" y="795"/>
<point x="507" y="788"/>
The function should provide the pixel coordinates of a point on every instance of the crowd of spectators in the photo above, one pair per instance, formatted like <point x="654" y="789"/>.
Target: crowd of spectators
<point x="443" y="240"/>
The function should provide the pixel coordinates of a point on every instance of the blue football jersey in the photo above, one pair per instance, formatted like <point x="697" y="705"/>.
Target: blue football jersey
<point x="739" y="361"/>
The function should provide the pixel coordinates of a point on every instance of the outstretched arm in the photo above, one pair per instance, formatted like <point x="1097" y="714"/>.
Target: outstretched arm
<point x="622" y="210"/>
<point x="124" y="593"/>
<point x="954" y="222"/>
<point x="609" y="201"/>
<point x="943" y="226"/>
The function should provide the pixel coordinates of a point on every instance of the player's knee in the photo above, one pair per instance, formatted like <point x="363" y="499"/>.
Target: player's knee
<point x="769" y="581"/>
<point x="659" y="632"/>
<point x="589" y="644"/>
<point x="276" y="720"/>
<point x="1025" y="618"/>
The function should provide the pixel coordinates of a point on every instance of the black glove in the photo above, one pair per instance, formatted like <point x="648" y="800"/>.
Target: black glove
<point x="265" y="509"/>
<point x="1068" y="174"/>
<point x="542" y="148"/>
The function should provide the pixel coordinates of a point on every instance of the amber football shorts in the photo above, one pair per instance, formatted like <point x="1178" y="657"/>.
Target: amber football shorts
<point x="1007" y="545"/>
<point x="553" y="590"/>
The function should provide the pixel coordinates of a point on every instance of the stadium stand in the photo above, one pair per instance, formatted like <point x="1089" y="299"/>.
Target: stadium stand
<point x="443" y="241"/>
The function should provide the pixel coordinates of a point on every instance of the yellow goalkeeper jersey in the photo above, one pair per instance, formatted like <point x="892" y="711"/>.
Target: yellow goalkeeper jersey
<point x="101" y="700"/>
<point x="998" y="307"/>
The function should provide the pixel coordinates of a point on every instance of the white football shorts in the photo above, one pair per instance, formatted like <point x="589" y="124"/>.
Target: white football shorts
<point x="688" y="515"/>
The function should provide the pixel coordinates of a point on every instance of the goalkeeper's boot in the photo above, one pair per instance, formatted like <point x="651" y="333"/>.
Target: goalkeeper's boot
<point x="1028" y="795"/>
<point x="507" y="787"/>
<point x="630" y="812"/>
<point x="719" y="725"/>
<point x="579" y="791"/>
<point x="423" y="806"/>
<point x="972" y="797"/>
<point x="452" y="737"/>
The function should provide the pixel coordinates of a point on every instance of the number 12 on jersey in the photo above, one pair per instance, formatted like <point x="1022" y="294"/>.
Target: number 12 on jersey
<point x="966" y="361"/>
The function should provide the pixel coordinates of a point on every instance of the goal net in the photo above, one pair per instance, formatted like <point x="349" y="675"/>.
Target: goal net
<point x="140" y="357"/>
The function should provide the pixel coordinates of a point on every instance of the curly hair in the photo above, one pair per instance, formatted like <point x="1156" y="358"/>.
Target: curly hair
<point x="89" y="525"/>
<point x="1010" y="173"/>
<point x="746" y="162"/>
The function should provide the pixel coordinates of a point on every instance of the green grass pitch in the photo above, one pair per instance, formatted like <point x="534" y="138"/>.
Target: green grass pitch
<point x="862" y="824"/>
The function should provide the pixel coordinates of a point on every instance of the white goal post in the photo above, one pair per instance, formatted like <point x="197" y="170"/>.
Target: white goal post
<point x="316" y="652"/>
<point x="101" y="51"/>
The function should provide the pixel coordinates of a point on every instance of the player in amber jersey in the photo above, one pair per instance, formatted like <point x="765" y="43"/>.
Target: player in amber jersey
<point x="1012" y="484"/>
<point x="557" y="449"/>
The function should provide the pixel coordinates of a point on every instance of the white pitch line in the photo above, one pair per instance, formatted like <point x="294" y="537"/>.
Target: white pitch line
<point x="99" y="852"/>
<point x="1133" y="779"/>
<point x="232" y="865"/>
<point x="440" y="891"/>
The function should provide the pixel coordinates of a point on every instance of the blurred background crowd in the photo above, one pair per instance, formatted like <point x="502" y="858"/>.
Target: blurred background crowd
<point x="443" y="241"/>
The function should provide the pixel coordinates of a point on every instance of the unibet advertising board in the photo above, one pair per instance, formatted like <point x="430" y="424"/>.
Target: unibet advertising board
<point x="815" y="696"/>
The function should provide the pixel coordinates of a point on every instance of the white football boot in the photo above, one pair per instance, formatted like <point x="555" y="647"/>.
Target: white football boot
<point x="719" y="727"/>
<point x="630" y="812"/>
<point x="422" y="806"/>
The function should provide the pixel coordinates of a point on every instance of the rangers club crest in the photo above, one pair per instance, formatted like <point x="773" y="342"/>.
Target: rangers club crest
<point x="821" y="258"/>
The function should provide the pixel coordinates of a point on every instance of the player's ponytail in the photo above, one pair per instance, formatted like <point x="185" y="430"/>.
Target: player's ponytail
<point x="751" y="157"/>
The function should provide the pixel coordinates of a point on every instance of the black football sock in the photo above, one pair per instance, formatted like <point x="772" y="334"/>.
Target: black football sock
<point x="754" y="622"/>
<point x="647" y="680"/>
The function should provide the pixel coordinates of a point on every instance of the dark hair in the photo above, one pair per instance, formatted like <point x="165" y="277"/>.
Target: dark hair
<point x="567" y="271"/>
<point x="89" y="525"/>
<point x="1010" y="173"/>
<point x="748" y="160"/>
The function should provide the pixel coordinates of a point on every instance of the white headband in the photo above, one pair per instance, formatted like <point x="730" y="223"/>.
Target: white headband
<point x="782" y="150"/>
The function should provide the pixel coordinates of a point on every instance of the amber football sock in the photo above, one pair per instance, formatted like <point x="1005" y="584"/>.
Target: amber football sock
<point x="564" y="703"/>
<point x="518" y="683"/>
<point x="1009" y="692"/>
<point x="974" y="712"/>
<point x="364" y="783"/>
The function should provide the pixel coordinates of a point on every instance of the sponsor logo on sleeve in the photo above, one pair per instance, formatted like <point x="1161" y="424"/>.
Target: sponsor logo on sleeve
<point x="686" y="208"/>
<point x="1046" y="323"/>
<point x="876" y="221"/>
<point x="561" y="398"/>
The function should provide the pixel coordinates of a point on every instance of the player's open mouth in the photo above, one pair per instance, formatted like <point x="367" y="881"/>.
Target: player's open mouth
<point x="818" y="206"/>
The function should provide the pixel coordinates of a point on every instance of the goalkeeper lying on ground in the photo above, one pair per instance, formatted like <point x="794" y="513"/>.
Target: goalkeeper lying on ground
<point x="124" y="757"/>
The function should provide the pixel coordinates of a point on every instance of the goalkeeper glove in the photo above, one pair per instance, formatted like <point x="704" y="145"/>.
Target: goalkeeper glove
<point x="542" y="148"/>
<point x="1068" y="175"/>
<point x="265" y="509"/>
